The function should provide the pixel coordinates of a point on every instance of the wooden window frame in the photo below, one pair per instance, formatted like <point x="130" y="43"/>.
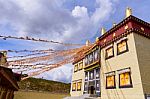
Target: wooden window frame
<point x="86" y="76"/>
<point x="75" y="86"/>
<point x="97" y="88"/>
<point x="86" y="59"/>
<point x="91" y="71"/>
<point x="97" y="69"/>
<point x="111" y="87"/>
<point x="85" y="86"/>
<point x="92" y="58"/>
<point x="75" y="67"/>
<point x="79" y="65"/>
<point x="127" y="49"/>
<point x="126" y="86"/>
<point x="96" y="51"/>
<point x="106" y="55"/>
<point x="112" y="73"/>
<point x="79" y="82"/>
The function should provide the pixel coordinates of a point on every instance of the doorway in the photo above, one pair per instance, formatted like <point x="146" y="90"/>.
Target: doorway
<point x="91" y="90"/>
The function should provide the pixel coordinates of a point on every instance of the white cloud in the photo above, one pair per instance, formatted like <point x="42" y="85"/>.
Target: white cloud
<point x="59" y="74"/>
<point x="103" y="11"/>
<point x="48" y="19"/>
<point x="80" y="12"/>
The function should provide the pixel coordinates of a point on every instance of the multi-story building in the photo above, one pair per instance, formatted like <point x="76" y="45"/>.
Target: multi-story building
<point x="123" y="65"/>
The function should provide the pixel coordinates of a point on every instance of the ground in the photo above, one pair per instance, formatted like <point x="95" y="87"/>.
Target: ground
<point x="38" y="95"/>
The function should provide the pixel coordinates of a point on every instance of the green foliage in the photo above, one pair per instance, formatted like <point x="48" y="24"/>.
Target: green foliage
<point x="44" y="85"/>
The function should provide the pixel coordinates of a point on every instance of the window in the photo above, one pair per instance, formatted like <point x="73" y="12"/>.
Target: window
<point x="91" y="75"/>
<point x="86" y="60"/>
<point x="74" y="86"/>
<point x="79" y="84"/>
<point x="125" y="80"/>
<point x="97" y="85"/>
<point x="80" y="65"/>
<point x="109" y="52"/>
<point x="122" y="47"/>
<point x="86" y="76"/>
<point x="110" y="80"/>
<point x="147" y="96"/>
<point x="96" y="56"/>
<point x="85" y="86"/>
<point x="90" y="58"/>
<point x="75" y="67"/>
<point x="92" y="83"/>
<point x="97" y="72"/>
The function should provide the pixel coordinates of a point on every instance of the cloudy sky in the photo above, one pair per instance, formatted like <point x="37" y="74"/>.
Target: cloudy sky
<point x="72" y="21"/>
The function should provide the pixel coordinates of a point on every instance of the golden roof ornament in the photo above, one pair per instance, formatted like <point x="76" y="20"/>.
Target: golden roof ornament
<point x="87" y="43"/>
<point x="128" y="12"/>
<point x="4" y="53"/>
<point x="3" y="59"/>
<point x="97" y="39"/>
<point x="114" y="24"/>
<point x="103" y="31"/>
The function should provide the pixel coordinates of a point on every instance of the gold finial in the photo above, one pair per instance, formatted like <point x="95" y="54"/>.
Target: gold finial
<point x="4" y="53"/>
<point x="3" y="60"/>
<point x="128" y="12"/>
<point x="103" y="30"/>
<point x="97" y="39"/>
<point x="114" y="24"/>
<point x="87" y="43"/>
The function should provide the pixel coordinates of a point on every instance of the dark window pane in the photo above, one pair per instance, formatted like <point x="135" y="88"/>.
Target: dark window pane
<point x="86" y="86"/>
<point x="97" y="85"/>
<point x="86" y="60"/>
<point x="91" y="58"/>
<point x="97" y="73"/>
<point x="86" y="76"/>
<point x="91" y="75"/>
<point x="96" y="55"/>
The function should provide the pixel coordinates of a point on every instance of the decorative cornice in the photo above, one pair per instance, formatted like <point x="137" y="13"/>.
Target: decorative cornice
<point x="128" y="25"/>
<point x="132" y="30"/>
<point x="116" y="27"/>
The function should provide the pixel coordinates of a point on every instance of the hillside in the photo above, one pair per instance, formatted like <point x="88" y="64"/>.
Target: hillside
<point x="44" y="85"/>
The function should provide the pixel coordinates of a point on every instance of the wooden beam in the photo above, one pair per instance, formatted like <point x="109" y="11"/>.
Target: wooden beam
<point x="4" y="74"/>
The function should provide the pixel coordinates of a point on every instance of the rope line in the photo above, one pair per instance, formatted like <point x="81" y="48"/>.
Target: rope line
<point x="38" y="40"/>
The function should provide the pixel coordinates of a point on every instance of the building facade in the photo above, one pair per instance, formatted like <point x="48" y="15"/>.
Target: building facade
<point x="123" y="66"/>
<point x="78" y="79"/>
<point x="92" y="71"/>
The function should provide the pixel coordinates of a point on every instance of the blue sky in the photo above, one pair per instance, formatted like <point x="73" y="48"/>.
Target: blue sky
<point x="72" y="21"/>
